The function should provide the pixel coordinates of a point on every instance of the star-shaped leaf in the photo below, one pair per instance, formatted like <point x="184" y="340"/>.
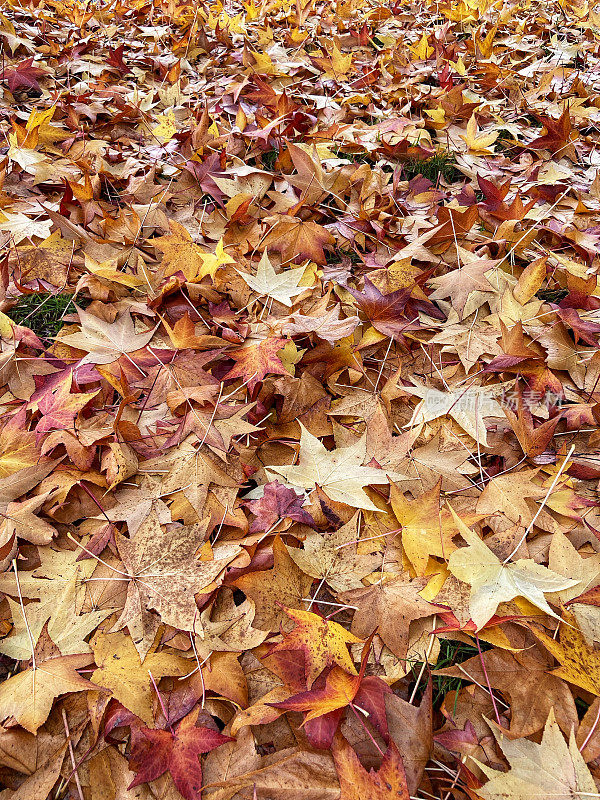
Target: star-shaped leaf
<point x="389" y="608"/>
<point x="550" y="769"/>
<point x="468" y="407"/>
<point x="256" y="360"/>
<point x="328" y="326"/>
<point x="579" y="663"/>
<point x="182" y="254"/>
<point x="323" y="643"/>
<point x="65" y="627"/>
<point x="340" y="472"/>
<point x="271" y="590"/>
<point x="105" y="341"/>
<point x="277" y="502"/>
<point x="29" y="695"/>
<point x="166" y="572"/>
<point x="334" y="559"/>
<point x="59" y="405"/>
<point x="120" y="669"/>
<point x="387" y="783"/>
<point x="494" y="582"/>
<point x="470" y="276"/>
<point x="176" y="751"/>
<point x="426" y="530"/>
<point x="282" y="286"/>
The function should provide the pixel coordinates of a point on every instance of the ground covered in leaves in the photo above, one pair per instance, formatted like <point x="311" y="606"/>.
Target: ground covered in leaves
<point x="300" y="405"/>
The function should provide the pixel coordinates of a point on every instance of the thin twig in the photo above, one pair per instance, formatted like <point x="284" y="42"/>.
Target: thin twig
<point x="72" y="754"/>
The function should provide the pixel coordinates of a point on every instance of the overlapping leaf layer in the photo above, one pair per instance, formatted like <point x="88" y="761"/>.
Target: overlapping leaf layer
<point x="299" y="419"/>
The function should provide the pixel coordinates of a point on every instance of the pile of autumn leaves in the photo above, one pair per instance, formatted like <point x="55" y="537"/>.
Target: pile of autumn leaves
<point x="313" y="425"/>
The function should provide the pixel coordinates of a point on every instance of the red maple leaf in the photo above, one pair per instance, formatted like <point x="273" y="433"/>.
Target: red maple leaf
<point x="58" y="404"/>
<point x="325" y="703"/>
<point x="278" y="501"/>
<point x="394" y="313"/>
<point x="558" y="132"/>
<point x="255" y="361"/>
<point x="493" y="195"/>
<point x="23" y="76"/>
<point x="115" y="59"/>
<point x="176" y="751"/>
<point x="583" y="329"/>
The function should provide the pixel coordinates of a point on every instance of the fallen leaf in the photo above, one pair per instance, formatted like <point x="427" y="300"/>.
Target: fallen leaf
<point x="177" y="751"/>
<point x="340" y="473"/>
<point x="28" y="696"/>
<point x="282" y="287"/>
<point x="105" y="342"/>
<point x="494" y="582"/>
<point x="356" y="783"/>
<point x="283" y="586"/>
<point x="322" y="642"/>
<point x="549" y="769"/>
<point x="120" y="670"/>
<point x="388" y="608"/>
<point x="334" y="559"/>
<point x="579" y="662"/>
<point x="411" y="729"/>
<point x="166" y="572"/>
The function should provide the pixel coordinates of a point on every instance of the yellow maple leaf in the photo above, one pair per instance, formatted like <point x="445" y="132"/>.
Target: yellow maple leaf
<point x="425" y="530"/>
<point x="422" y="50"/>
<point x="341" y="63"/>
<point x="322" y="642"/>
<point x="233" y="24"/>
<point x="462" y="11"/>
<point x="251" y="11"/>
<point x="459" y="66"/>
<point x="264" y="64"/>
<point x="120" y="669"/>
<point x="182" y="254"/>
<point x="437" y="115"/>
<point x="24" y="154"/>
<point x="475" y="141"/>
<point x="579" y="663"/>
<point x="337" y="65"/>
<point x="108" y="270"/>
<point x="493" y="581"/>
<point x="212" y="261"/>
<point x="340" y="472"/>
<point x="48" y="134"/>
<point x="28" y="696"/>
<point x="166" y="128"/>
